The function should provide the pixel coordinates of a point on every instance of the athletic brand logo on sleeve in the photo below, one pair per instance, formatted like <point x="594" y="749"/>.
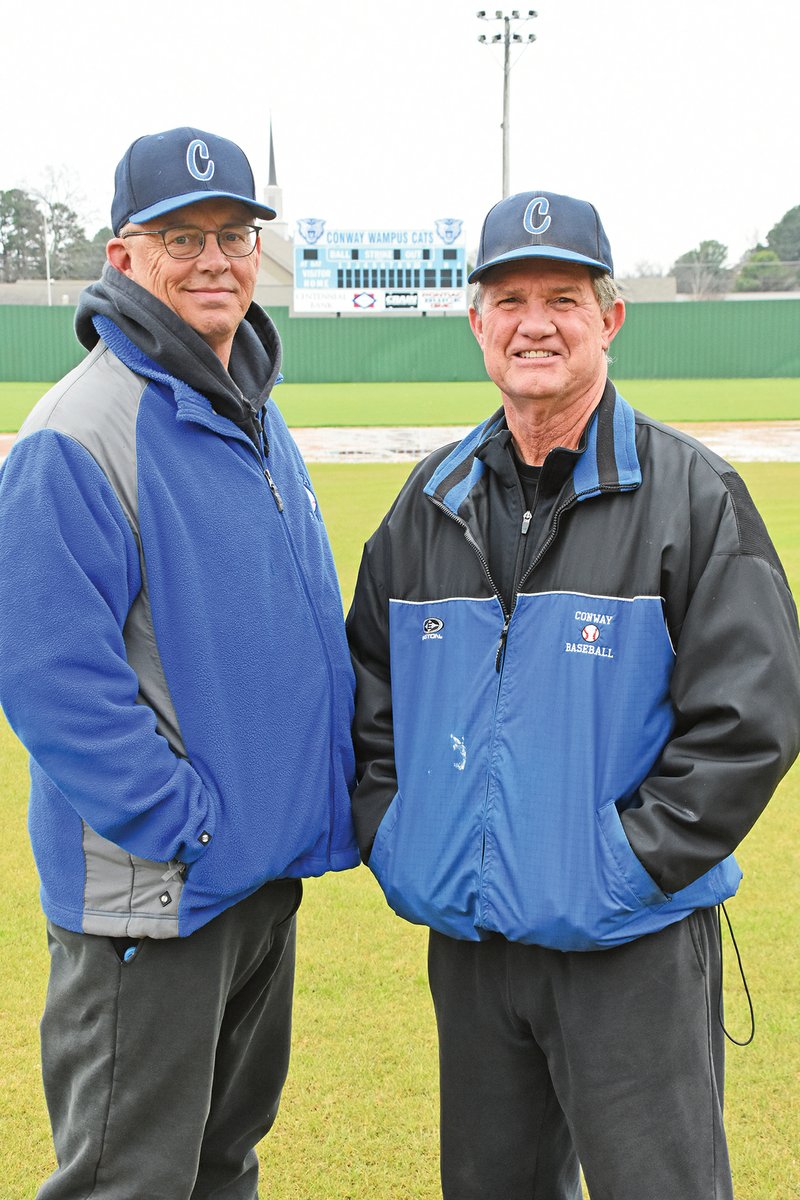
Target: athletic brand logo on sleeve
<point x="198" y="149"/>
<point x="538" y="207"/>
<point x="432" y="629"/>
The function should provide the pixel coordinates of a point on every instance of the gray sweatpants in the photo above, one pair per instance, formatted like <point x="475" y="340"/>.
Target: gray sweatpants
<point x="162" y="1073"/>
<point x="612" y="1058"/>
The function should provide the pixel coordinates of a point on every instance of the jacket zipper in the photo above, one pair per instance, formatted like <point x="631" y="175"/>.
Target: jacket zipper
<point x="527" y="517"/>
<point x="261" y="454"/>
<point x="499" y="659"/>
<point x="553" y="532"/>
<point x="500" y="656"/>
<point x="273" y="487"/>
<point x="263" y="463"/>
<point x="526" y="521"/>
<point x="471" y="542"/>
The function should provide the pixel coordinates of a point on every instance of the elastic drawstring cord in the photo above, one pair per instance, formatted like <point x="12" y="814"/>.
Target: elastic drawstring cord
<point x="744" y="981"/>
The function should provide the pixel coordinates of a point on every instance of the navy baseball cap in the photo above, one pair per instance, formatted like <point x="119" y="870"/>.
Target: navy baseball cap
<point x="164" y="171"/>
<point x="542" y="225"/>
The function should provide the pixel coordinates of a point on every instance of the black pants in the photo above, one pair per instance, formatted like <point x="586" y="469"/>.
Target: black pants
<point x="612" y="1058"/>
<point x="162" y="1073"/>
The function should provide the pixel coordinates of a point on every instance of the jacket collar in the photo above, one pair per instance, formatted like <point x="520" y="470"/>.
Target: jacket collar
<point x="164" y="338"/>
<point x="190" y="404"/>
<point x="605" y="461"/>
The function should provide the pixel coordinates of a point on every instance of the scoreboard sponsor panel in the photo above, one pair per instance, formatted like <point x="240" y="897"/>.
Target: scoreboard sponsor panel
<point x="379" y="270"/>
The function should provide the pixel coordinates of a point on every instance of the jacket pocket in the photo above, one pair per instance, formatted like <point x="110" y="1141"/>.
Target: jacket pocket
<point x="427" y="879"/>
<point x="383" y="835"/>
<point x="629" y="883"/>
<point x="392" y="871"/>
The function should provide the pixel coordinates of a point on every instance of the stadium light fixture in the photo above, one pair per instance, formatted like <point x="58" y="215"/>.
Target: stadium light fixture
<point x="507" y="37"/>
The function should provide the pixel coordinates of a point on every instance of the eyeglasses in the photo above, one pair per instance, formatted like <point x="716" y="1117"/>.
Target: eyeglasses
<point x="187" y="241"/>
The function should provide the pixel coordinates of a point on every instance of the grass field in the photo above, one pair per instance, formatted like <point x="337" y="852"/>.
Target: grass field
<point x="359" y="1116"/>
<point x="310" y="404"/>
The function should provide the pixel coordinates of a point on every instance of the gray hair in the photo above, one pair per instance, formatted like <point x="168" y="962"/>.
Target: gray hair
<point x="604" y="287"/>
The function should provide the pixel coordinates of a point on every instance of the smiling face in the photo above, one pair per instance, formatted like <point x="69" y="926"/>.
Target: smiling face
<point x="543" y="335"/>
<point x="210" y="293"/>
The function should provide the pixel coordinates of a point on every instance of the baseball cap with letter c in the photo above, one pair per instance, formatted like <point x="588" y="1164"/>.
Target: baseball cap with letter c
<point x="164" y="171"/>
<point x="542" y="225"/>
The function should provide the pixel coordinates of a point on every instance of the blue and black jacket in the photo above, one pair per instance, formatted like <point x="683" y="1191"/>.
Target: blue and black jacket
<point x="172" y="648"/>
<point x="573" y="763"/>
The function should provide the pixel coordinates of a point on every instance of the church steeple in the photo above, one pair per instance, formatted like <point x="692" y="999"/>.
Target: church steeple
<point x="277" y="252"/>
<point x="273" y="194"/>
<point x="273" y="177"/>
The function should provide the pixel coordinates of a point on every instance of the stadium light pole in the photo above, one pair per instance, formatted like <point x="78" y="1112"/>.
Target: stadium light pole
<point x="508" y="37"/>
<point x="47" y="261"/>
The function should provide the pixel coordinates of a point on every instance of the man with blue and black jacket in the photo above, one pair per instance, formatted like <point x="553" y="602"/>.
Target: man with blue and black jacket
<point x="578" y="684"/>
<point x="172" y="655"/>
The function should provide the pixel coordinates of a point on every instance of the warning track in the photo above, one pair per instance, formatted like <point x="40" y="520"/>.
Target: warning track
<point x="767" y="441"/>
<point x="752" y="441"/>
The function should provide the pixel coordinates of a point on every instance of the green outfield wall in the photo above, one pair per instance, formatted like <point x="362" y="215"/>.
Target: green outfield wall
<point x="713" y="339"/>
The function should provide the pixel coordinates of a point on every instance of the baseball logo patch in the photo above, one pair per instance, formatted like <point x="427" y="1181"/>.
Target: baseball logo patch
<point x="591" y="623"/>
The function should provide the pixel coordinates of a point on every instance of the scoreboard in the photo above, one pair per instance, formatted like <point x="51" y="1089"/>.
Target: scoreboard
<point x="379" y="270"/>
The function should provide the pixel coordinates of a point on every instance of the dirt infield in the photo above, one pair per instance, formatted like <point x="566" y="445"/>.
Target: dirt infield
<point x="763" y="441"/>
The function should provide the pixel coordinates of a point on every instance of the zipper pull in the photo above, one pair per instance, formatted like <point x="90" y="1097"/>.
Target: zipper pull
<point x="261" y="417"/>
<point x="501" y="648"/>
<point x="273" y="489"/>
<point x="526" y="521"/>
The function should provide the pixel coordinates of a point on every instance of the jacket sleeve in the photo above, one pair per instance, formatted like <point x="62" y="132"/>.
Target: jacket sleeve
<point x="736" y="696"/>
<point x="69" y="572"/>
<point x="373" y="738"/>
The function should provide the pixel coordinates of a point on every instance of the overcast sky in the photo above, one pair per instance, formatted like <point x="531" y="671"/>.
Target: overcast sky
<point x="679" y="121"/>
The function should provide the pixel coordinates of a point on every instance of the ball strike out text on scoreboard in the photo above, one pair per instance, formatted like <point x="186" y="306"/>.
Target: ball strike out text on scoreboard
<point x="379" y="270"/>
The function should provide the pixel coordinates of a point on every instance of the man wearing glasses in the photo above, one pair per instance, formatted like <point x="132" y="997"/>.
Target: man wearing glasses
<point x="162" y="558"/>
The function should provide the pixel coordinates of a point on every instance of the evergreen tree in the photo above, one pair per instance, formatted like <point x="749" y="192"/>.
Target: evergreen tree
<point x="784" y="238"/>
<point x="21" y="237"/>
<point x="702" y="272"/>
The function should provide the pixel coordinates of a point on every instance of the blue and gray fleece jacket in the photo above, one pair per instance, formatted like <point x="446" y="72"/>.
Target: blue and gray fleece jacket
<point x="172" y="649"/>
